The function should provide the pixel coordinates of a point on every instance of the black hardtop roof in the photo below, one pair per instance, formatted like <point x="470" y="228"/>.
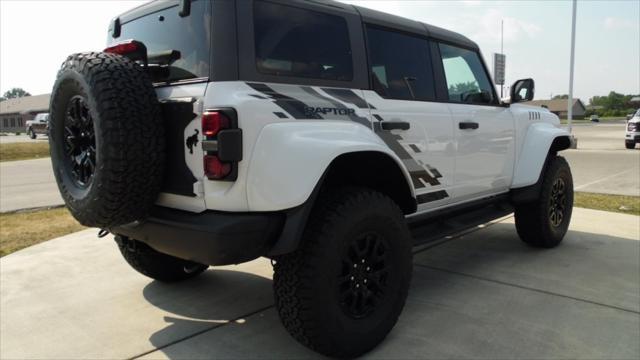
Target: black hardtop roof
<point x="368" y="15"/>
<point x="396" y="22"/>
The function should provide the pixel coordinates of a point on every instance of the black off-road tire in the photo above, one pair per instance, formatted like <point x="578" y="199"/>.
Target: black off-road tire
<point x="309" y="283"/>
<point x="630" y="144"/>
<point x="156" y="265"/>
<point x="116" y="96"/>
<point x="535" y="222"/>
<point x="32" y="134"/>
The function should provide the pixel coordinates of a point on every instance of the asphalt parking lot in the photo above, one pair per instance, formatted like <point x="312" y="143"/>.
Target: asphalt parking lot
<point x="601" y="164"/>
<point x="482" y="294"/>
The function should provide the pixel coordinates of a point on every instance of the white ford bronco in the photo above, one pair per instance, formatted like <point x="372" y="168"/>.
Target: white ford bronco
<point x="312" y="133"/>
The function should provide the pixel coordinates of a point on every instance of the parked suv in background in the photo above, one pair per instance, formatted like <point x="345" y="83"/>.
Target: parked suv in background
<point x="632" y="136"/>
<point x="212" y="133"/>
<point x="39" y="125"/>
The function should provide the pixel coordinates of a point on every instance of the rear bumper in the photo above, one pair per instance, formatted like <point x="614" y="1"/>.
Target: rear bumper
<point x="211" y="237"/>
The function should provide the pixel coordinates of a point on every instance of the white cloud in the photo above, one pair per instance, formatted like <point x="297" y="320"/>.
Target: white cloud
<point x="614" y="23"/>
<point x="487" y="27"/>
<point x="480" y="20"/>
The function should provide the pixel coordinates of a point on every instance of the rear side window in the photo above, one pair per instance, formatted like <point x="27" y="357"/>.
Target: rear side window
<point x="165" y="30"/>
<point x="467" y="81"/>
<point x="400" y="65"/>
<point x="291" y="41"/>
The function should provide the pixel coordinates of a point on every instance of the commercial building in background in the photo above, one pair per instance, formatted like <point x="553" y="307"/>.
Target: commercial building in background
<point x="14" y="113"/>
<point x="559" y="107"/>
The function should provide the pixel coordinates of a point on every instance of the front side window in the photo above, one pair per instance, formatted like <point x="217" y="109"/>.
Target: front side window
<point x="400" y="65"/>
<point x="164" y="31"/>
<point x="467" y="81"/>
<point x="290" y="41"/>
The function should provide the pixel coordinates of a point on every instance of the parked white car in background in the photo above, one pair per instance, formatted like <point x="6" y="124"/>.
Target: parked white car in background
<point x="39" y="125"/>
<point x="632" y="137"/>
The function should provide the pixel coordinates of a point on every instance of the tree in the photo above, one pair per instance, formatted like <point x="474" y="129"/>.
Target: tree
<point x="461" y="88"/>
<point x="560" y="97"/>
<point x="15" y="93"/>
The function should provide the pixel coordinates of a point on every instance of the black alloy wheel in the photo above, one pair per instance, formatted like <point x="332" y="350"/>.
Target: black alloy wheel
<point x="363" y="279"/>
<point x="557" y="203"/>
<point x="79" y="142"/>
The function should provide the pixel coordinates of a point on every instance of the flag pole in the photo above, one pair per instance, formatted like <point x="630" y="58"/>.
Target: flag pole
<point x="571" y="65"/>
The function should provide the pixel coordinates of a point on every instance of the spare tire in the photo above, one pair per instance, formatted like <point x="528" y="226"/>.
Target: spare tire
<point x="106" y="139"/>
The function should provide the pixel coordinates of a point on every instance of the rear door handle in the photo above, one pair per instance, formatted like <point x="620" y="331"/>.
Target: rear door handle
<point x="395" y="125"/>
<point x="468" y="125"/>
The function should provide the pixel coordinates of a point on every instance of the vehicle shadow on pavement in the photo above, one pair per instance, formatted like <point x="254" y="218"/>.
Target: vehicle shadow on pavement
<point x="215" y="298"/>
<point x="483" y="282"/>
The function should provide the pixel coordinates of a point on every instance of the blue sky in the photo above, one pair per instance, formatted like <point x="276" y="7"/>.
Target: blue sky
<point x="538" y="38"/>
<point x="35" y="37"/>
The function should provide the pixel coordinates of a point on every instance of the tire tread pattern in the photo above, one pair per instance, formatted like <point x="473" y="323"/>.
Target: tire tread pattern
<point x="295" y="272"/>
<point x="532" y="219"/>
<point x="131" y="154"/>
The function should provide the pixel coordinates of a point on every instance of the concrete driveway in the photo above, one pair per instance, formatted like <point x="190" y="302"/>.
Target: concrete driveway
<point x="482" y="294"/>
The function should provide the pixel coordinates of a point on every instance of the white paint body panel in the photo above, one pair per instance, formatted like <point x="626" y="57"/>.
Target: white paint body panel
<point x="431" y="132"/>
<point x="290" y="158"/>
<point x="284" y="157"/>
<point x="534" y="138"/>
<point x="484" y="157"/>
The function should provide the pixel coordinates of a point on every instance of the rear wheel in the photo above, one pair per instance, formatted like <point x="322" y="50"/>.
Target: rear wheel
<point x="544" y="222"/>
<point x="31" y="133"/>
<point x="156" y="265"/>
<point x="342" y="291"/>
<point x="630" y="144"/>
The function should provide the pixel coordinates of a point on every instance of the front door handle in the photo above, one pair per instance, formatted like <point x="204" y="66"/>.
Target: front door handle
<point x="395" y="125"/>
<point x="468" y="125"/>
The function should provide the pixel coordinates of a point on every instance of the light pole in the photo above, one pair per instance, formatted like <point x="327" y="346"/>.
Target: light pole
<point x="502" y="51"/>
<point x="573" y="50"/>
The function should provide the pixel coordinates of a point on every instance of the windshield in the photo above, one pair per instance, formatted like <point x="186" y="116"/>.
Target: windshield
<point x="637" y="113"/>
<point x="165" y="30"/>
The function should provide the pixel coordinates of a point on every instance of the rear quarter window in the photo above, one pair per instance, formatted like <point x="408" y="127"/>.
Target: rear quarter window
<point x="166" y="30"/>
<point x="291" y="41"/>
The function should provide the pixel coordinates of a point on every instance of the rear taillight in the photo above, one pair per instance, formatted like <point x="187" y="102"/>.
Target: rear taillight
<point x="213" y="122"/>
<point x="222" y="144"/>
<point x="135" y="50"/>
<point x="216" y="169"/>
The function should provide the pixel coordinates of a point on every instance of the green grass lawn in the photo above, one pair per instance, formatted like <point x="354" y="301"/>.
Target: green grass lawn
<point x="23" y="229"/>
<point x="614" y="203"/>
<point x="24" y="151"/>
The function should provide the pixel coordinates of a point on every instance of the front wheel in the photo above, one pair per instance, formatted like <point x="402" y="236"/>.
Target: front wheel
<point x="342" y="291"/>
<point x="31" y="134"/>
<point x="544" y="222"/>
<point x="630" y="144"/>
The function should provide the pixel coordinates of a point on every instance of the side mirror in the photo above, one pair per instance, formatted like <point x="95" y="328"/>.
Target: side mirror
<point x="522" y="90"/>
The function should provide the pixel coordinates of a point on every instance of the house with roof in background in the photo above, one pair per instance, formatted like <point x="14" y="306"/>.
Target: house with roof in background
<point x="14" y="113"/>
<point x="559" y="107"/>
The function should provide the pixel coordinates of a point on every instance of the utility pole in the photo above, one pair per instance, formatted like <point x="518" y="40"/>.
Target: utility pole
<point x="573" y="50"/>
<point x="501" y="51"/>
